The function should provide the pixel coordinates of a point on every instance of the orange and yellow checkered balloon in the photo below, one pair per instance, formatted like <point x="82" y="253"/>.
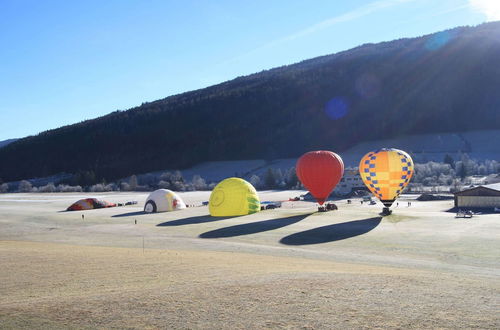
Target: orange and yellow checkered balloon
<point x="386" y="172"/>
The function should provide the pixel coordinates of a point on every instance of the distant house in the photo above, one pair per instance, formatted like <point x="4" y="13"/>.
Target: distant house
<point x="349" y="182"/>
<point x="486" y="196"/>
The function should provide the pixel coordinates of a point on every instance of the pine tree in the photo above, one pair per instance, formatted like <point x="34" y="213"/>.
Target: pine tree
<point x="449" y="160"/>
<point x="270" y="179"/>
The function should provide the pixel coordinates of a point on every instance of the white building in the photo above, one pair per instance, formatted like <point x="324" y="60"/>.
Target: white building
<point x="487" y="196"/>
<point x="349" y="182"/>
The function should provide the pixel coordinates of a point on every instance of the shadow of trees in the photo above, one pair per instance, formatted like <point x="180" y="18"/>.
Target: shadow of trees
<point x="331" y="233"/>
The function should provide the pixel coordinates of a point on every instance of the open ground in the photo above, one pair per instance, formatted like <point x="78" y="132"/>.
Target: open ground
<point x="285" y="268"/>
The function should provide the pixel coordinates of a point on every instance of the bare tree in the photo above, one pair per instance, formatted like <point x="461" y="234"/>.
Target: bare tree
<point x="124" y="186"/>
<point x="67" y="188"/>
<point x="97" y="188"/>
<point x="4" y="187"/>
<point x="199" y="183"/>
<point x="133" y="182"/>
<point x="48" y="188"/>
<point x="25" y="186"/>
<point x="164" y="184"/>
<point x="255" y="181"/>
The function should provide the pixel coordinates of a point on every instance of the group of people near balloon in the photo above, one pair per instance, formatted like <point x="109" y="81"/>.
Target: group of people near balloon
<point x="385" y="172"/>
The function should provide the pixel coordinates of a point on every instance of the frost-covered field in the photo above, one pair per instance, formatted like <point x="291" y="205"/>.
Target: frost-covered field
<point x="291" y="267"/>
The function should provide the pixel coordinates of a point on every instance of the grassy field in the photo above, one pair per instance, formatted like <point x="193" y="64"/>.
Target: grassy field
<point x="285" y="268"/>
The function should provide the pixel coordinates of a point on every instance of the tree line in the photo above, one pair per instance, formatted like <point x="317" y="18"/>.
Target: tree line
<point x="449" y="173"/>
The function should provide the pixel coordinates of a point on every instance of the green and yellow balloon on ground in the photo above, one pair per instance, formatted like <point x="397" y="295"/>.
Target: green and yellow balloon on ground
<point x="233" y="197"/>
<point x="386" y="172"/>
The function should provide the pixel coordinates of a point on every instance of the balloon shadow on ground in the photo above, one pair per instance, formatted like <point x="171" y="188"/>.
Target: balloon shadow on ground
<point x="253" y="227"/>
<point x="332" y="233"/>
<point x="129" y="214"/>
<point x="192" y="221"/>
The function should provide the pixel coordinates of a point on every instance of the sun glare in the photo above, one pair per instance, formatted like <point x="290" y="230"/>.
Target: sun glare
<point x="490" y="8"/>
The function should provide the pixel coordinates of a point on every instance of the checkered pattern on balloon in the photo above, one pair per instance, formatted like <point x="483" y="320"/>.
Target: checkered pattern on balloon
<point x="386" y="172"/>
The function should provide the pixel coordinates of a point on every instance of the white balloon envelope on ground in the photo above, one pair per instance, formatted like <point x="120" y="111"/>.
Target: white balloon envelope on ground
<point x="163" y="200"/>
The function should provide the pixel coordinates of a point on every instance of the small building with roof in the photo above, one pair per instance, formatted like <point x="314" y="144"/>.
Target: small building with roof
<point x="351" y="180"/>
<point x="484" y="196"/>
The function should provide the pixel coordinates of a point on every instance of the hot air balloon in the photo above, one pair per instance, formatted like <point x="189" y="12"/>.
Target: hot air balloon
<point x="163" y="200"/>
<point x="89" y="204"/>
<point x="386" y="172"/>
<point x="320" y="171"/>
<point x="233" y="197"/>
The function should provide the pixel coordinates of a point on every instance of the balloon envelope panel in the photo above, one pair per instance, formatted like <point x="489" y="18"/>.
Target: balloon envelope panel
<point x="82" y="204"/>
<point x="233" y="197"/>
<point x="320" y="171"/>
<point x="165" y="201"/>
<point x="89" y="204"/>
<point x="386" y="172"/>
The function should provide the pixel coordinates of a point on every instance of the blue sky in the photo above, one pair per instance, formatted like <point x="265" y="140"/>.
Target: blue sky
<point x="62" y="62"/>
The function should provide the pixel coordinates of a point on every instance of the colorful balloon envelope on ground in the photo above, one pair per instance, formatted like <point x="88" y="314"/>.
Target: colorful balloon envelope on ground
<point x="320" y="171"/>
<point x="386" y="172"/>
<point x="233" y="197"/>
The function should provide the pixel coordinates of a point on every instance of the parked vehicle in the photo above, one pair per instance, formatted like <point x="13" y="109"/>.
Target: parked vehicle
<point x="327" y="207"/>
<point x="464" y="214"/>
<point x="268" y="205"/>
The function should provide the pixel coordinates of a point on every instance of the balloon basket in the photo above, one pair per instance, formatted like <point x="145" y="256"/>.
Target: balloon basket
<point x="327" y="207"/>
<point x="386" y="211"/>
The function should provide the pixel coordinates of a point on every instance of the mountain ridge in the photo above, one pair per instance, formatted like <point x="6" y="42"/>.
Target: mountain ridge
<point x="418" y="85"/>
<point x="4" y="143"/>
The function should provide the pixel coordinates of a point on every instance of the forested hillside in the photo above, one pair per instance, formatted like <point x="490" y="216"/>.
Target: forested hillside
<point x="445" y="82"/>
<point x="6" y="142"/>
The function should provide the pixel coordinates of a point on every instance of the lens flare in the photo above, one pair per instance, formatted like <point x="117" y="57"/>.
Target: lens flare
<point x="438" y="40"/>
<point x="489" y="8"/>
<point x="336" y="108"/>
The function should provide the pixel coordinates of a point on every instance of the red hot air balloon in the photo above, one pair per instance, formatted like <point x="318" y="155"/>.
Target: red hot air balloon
<point x="320" y="171"/>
